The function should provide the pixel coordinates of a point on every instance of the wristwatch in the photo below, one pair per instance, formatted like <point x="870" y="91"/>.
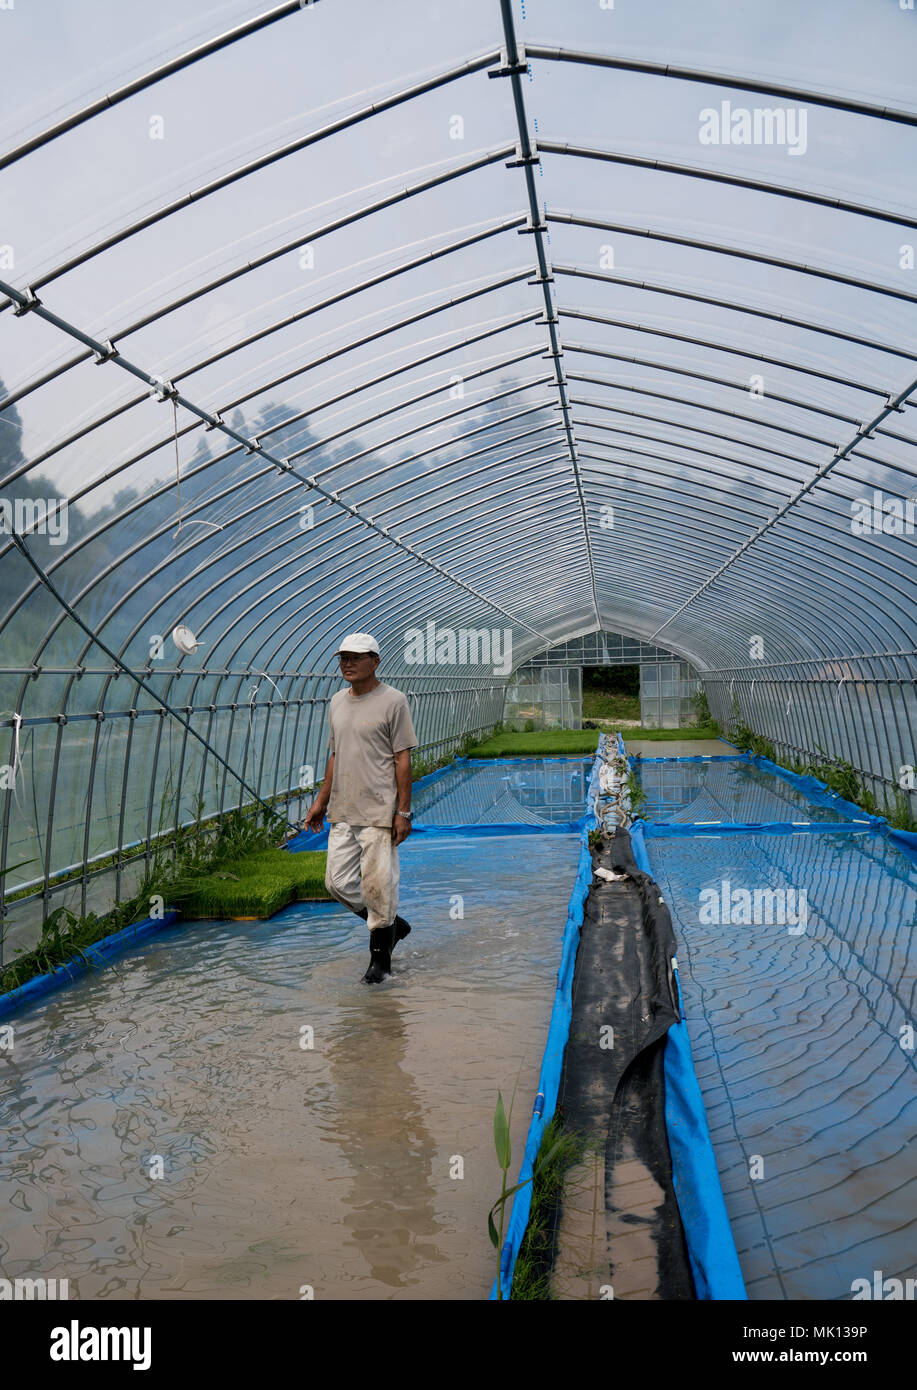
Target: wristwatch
<point x="408" y="815"/>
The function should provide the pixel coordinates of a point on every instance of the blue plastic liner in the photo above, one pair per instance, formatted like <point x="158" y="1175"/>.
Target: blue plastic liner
<point x="690" y="758"/>
<point x="796" y="1039"/>
<point x="774" y="827"/>
<point x="906" y="840"/>
<point x="564" y="827"/>
<point x="307" y="840"/>
<point x="695" y="1176"/>
<point x="817" y="792"/>
<point x="493" y="762"/>
<point x="553" y="1059"/>
<point x="97" y="954"/>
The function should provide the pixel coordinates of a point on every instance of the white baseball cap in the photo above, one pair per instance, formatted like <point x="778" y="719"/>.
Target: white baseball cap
<point x="359" y="642"/>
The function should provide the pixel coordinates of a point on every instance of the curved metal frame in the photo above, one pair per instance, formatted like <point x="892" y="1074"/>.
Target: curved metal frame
<point x="421" y="532"/>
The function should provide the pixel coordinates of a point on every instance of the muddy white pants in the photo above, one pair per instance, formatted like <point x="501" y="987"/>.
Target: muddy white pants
<point x="363" y="871"/>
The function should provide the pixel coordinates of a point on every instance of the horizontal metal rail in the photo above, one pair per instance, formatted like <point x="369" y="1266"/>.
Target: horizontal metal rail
<point x="720" y="248"/>
<point x="314" y="137"/>
<point x="840" y="453"/>
<point x="696" y="171"/>
<point x="169" y="391"/>
<point x="813" y="96"/>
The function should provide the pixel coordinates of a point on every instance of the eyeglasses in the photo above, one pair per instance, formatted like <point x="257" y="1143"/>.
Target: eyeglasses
<point x="347" y="657"/>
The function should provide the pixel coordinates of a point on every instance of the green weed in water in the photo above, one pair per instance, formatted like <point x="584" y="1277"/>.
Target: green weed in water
<point x="503" y="1146"/>
<point x="562" y="1149"/>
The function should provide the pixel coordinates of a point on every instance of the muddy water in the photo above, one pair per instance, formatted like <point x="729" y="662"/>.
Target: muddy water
<point x="286" y="1167"/>
<point x="679" y="747"/>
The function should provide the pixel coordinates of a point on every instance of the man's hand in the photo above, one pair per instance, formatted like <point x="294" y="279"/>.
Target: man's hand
<point x="401" y="826"/>
<point x="315" y="820"/>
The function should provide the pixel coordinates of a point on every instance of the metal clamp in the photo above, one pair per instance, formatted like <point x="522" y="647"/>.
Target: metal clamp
<point x="105" y="353"/>
<point x="508" y="69"/>
<point x="31" y="301"/>
<point x="521" y="160"/>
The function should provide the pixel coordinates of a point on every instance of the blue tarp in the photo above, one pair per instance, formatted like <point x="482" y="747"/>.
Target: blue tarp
<point x="695" y="1176"/>
<point x="816" y="791"/>
<point x="97" y="954"/>
<point x="689" y="758"/>
<point x="776" y="827"/>
<point x="795" y="1014"/>
<point x="905" y="840"/>
<point x="711" y="1248"/>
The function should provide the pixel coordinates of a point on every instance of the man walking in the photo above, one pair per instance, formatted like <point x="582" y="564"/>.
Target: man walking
<point x="367" y="794"/>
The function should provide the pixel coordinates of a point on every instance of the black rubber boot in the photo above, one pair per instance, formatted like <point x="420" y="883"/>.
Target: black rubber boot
<point x="401" y="930"/>
<point x="381" y="941"/>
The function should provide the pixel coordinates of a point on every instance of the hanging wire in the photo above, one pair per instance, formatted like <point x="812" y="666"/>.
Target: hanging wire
<point x="16" y="766"/>
<point x="177" y="465"/>
<point x="254" y="691"/>
<point x="195" y="521"/>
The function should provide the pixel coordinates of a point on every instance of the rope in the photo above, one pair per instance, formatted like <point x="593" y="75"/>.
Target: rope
<point x="177" y="466"/>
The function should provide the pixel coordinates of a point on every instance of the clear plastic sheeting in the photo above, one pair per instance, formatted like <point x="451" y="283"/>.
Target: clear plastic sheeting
<point x="486" y="329"/>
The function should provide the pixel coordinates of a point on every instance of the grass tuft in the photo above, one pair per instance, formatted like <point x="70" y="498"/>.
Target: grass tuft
<point x="535" y="1261"/>
<point x="257" y="885"/>
<point x="540" y="744"/>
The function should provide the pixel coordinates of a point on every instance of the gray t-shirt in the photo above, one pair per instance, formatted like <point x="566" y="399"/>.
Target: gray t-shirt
<point x="365" y="733"/>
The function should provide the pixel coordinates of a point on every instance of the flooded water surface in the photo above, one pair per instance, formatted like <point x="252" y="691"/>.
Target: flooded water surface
<point x="228" y="1112"/>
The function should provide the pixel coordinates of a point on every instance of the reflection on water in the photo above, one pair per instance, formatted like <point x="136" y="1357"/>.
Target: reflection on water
<point x="537" y="792"/>
<point x="286" y="1166"/>
<point x="725" y="791"/>
<point x="796" y="1043"/>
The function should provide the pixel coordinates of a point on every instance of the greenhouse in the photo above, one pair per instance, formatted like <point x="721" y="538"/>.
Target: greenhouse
<point x="560" y="361"/>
